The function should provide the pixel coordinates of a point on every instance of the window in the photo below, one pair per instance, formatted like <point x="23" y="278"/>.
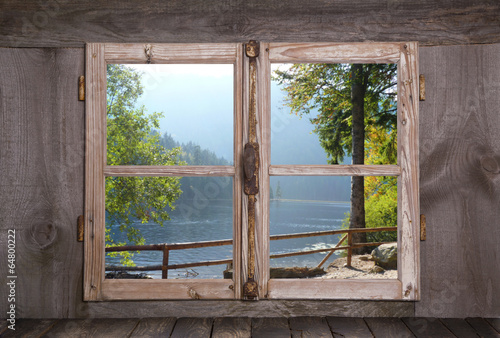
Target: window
<point x="249" y="260"/>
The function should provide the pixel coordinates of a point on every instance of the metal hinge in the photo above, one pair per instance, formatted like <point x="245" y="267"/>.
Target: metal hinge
<point x="80" y="228"/>
<point x="423" y="233"/>
<point x="81" y="88"/>
<point x="421" y="87"/>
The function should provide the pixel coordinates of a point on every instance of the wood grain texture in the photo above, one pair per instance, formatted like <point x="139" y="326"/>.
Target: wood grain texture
<point x="302" y="327"/>
<point x="334" y="53"/>
<point x="189" y="170"/>
<point x="427" y="328"/>
<point x="171" y="53"/>
<point x="29" y="328"/>
<point x="334" y="289"/>
<point x="41" y="161"/>
<point x="460" y="182"/>
<point x="408" y="182"/>
<point x="154" y="327"/>
<point x="348" y="327"/>
<point x="482" y="327"/>
<point x="95" y="159"/>
<point x="459" y="327"/>
<point x="264" y="137"/>
<point x="261" y="308"/>
<point x="39" y="23"/>
<point x="98" y="327"/>
<point x="388" y="328"/>
<point x="334" y="170"/>
<point x="122" y="289"/>
<point x="192" y="328"/>
<point x="270" y="327"/>
<point x="238" y="175"/>
<point x="495" y="323"/>
<point x="232" y="327"/>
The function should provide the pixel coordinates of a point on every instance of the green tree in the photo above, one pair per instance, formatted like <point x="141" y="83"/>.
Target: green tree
<point x="278" y="191"/>
<point x="132" y="140"/>
<point x="347" y="98"/>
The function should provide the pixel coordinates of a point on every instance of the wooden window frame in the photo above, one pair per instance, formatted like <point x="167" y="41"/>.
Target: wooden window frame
<point x="96" y="287"/>
<point x="405" y="287"/>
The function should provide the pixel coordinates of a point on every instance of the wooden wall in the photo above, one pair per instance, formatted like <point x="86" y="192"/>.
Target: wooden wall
<point x="61" y="23"/>
<point x="460" y="181"/>
<point x="42" y="140"/>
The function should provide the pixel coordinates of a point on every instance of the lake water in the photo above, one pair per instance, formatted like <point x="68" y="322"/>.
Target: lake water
<point x="212" y="220"/>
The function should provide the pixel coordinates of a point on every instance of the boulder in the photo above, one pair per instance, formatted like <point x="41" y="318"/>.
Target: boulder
<point x="386" y="255"/>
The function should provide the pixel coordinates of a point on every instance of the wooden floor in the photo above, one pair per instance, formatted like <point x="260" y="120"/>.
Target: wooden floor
<point x="255" y="327"/>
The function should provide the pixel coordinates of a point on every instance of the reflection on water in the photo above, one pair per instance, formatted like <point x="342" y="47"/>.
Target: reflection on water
<point x="214" y="222"/>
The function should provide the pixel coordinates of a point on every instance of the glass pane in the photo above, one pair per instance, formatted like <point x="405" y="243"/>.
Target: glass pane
<point x="169" y="114"/>
<point x="320" y="111"/>
<point x="302" y="205"/>
<point x="158" y="210"/>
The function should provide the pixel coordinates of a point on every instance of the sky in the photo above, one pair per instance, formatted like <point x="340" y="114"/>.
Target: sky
<point x="197" y="102"/>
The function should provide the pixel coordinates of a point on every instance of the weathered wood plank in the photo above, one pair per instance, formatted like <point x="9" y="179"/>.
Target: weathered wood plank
<point x="38" y="23"/>
<point x="459" y="327"/>
<point x="154" y="327"/>
<point x="191" y="170"/>
<point x="42" y="156"/>
<point x="460" y="157"/>
<point x="388" y="328"/>
<point x="495" y="322"/>
<point x="144" y="289"/>
<point x="334" y="288"/>
<point x="337" y="170"/>
<point x="334" y="53"/>
<point x="262" y="308"/>
<point x="99" y="327"/>
<point x="30" y="328"/>
<point x="309" y="327"/>
<point x="348" y="327"/>
<point x="482" y="327"/>
<point x="427" y="327"/>
<point x="270" y="327"/>
<point x="229" y="327"/>
<point x="192" y="327"/>
<point x="172" y="53"/>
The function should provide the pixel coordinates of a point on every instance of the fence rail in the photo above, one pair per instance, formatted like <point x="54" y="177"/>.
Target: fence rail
<point x="167" y="247"/>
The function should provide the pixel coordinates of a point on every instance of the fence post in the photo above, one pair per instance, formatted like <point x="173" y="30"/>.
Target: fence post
<point x="164" y="267"/>
<point x="349" y="250"/>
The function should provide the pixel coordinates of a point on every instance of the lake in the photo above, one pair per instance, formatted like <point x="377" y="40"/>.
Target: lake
<point x="212" y="220"/>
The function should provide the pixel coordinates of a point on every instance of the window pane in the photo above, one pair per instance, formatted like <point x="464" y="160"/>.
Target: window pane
<point x="169" y="114"/>
<point x="314" y="108"/>
<point x="191" y="210"/>
<point x="301" y="205"/>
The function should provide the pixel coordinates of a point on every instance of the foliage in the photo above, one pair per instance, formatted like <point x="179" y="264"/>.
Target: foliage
<point x="323" y="91"/>
<point x="132" y="140"/>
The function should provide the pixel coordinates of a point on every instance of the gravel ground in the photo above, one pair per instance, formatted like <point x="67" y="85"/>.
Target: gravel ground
<point x="362" y="268"/>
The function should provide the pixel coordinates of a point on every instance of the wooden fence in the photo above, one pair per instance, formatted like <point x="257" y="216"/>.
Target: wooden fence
<point x="167" y="247"/>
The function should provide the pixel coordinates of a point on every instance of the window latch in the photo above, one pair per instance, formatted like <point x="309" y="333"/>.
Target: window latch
<point x="80" y="228"/>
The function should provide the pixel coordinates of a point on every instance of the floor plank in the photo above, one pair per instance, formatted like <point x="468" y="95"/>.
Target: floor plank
<point x="229" y="327"/>
<point x="309" y="327"/>
<point x="482" y="327"/>
<point x="459" y="327"/>
<point x="388" y="327"/>
<point x="98" y="327"/>
<point x="154" y="327"/>
<point x="495" y="322"/>
<point x="270" y="327"/>
<point x="29" y="328"/>
<point x="427" y="327"/>
<point x="349" y="327"/>
<point x="193" y="327"/>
